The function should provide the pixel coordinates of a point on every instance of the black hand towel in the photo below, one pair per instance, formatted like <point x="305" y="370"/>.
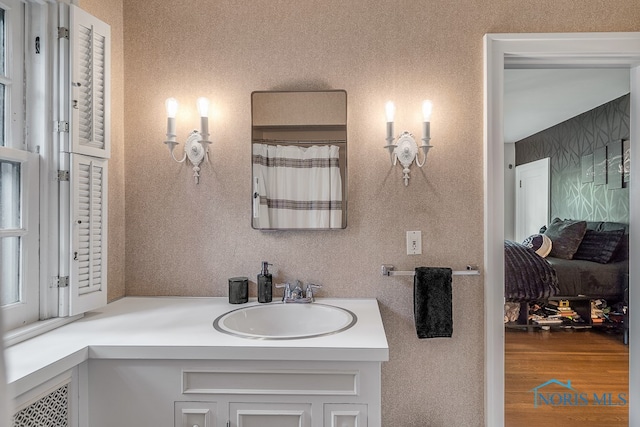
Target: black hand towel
<point x="432" y="303"/>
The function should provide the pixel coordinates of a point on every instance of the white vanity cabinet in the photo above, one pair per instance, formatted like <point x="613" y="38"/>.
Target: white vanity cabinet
<point x="159" y="362"/>
<point x="256" y="414"/>
<point x="223" y="393"/>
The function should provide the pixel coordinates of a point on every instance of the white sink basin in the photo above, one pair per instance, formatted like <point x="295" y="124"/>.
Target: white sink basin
<point x="279" y="321"/>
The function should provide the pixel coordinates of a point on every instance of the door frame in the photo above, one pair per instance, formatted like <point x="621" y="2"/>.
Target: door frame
<point x="566" y="50"/>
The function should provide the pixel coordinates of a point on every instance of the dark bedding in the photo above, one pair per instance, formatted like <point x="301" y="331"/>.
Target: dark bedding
<point x="527" y="276"/>
<point x="599" y="268"/>
<point x="578" y="277"/>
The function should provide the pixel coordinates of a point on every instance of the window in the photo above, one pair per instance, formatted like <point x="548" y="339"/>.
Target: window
<point x="10" y="220"/>
<point x="53" y="232"/>
<point x="19" y="178"/>
<point x="12" y="74"/>
<point x="19" y="264"/>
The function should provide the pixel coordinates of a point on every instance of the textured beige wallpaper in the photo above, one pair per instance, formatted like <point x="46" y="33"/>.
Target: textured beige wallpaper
<point x="187" y="239"/>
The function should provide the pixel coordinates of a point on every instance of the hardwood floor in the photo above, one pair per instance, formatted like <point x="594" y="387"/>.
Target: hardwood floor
<point x="594" y="364"/>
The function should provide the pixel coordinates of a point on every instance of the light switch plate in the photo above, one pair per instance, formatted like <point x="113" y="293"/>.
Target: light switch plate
<point x="414" y="242"/>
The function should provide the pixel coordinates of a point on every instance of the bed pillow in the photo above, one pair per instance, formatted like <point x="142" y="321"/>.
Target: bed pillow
<point x="599" y="246"/>
<point x="539" y="243"/>
<point x="566" y="236"/>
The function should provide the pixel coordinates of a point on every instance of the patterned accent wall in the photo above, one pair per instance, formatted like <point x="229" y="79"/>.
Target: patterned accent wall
<point x="566" y="144"/>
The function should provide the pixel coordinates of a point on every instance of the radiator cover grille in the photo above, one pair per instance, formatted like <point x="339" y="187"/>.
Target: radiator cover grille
<point x="51" y="410"/>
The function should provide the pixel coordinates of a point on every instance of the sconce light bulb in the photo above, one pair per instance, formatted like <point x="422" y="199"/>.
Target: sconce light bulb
<point x="427" y="107"/>
<point x="203" y="107"/>
<point x="172" y="107"/>
<point x="390" y="110"/>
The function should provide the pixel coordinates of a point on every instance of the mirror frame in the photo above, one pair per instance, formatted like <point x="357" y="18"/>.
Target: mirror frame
<point x="543" y="50"/>
<point x="314" y="127"/>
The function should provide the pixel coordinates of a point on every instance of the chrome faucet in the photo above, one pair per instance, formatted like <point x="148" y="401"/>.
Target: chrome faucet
<point x="294" y="293"/>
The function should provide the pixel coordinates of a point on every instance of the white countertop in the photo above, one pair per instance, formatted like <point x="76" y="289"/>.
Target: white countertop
<point x="182" y="328"/>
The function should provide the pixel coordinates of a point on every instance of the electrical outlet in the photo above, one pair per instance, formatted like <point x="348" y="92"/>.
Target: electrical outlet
<point x="414" y="242"/>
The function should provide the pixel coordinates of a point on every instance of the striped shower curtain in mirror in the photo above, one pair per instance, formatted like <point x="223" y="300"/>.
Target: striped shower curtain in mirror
<point x="297" y="186"/>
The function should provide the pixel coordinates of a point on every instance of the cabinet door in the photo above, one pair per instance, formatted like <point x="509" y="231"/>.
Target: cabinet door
<point x="195" y="414"/>
<point x="270" y="414"/>
<point x="345" y="415"/>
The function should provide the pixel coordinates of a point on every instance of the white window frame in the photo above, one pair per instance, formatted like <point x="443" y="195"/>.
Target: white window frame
<point x="26" y="310"/>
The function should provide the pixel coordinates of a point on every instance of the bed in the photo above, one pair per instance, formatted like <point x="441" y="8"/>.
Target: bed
<point x="527" y="275"/>
<point x="600" y="266"/>
<point x="587" y="259"/>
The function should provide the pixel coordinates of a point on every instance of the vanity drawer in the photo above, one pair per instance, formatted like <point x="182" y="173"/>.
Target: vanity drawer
<point x="279" y="382"/>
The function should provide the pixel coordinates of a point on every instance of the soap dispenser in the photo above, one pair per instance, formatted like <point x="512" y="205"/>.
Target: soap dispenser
<point x="265" y="291"/>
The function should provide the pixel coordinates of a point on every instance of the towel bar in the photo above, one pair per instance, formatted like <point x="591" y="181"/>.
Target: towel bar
<point x="389" y="270"/>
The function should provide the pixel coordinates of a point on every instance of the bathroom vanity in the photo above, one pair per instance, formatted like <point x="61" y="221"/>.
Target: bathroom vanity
<point x="159" y="361"/>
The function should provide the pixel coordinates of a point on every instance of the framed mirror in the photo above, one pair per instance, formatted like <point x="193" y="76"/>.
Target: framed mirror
<point x="299" y="160"/>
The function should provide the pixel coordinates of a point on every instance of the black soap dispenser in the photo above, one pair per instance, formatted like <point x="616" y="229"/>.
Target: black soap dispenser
<point x="265" y="291"/>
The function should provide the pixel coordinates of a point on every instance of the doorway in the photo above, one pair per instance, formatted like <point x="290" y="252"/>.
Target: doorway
<point x="532" y="197"/>
<point x="544" y="50"/>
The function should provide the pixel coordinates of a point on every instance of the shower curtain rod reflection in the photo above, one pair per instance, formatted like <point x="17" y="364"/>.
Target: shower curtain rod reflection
<point x="300" y="141"/>
<point x="389" y="270"/>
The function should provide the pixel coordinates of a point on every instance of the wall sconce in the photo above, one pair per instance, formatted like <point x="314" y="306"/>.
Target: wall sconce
<point x="405" y="148"/>
<point x="197" y="145"/>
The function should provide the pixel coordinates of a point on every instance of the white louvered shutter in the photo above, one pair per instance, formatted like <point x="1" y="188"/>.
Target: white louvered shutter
<point x="90" y="50"/>
<point x="88" y="273"/>
<point x="84" y="53"/>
